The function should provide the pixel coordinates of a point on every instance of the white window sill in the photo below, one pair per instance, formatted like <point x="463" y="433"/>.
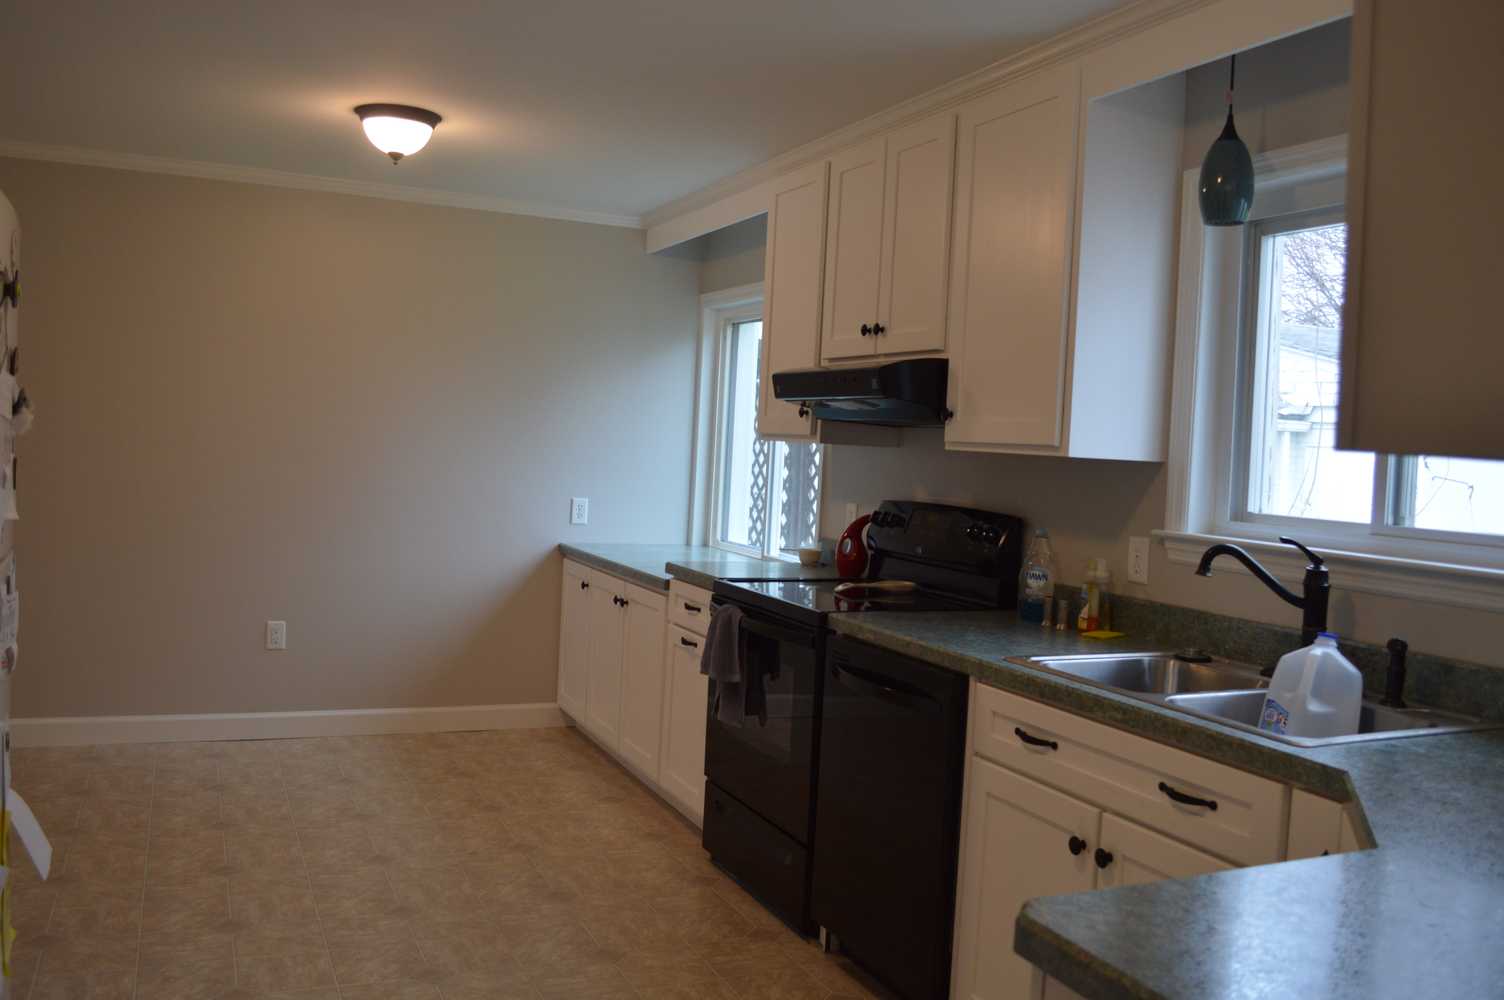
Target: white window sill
<point x="1476" y="587"/>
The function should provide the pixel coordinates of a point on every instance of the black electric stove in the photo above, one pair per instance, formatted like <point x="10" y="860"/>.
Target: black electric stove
<point x="760" y="801"/>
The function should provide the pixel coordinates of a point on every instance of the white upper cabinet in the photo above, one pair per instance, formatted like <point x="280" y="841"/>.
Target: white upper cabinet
<point x="1010" y="281"/>
<point x="853" y="250"/>
<point x="792" y="286"/>
<point x="888" y="243"/>
<point x="1421" y="355"/>
<point x="917" y="189"/>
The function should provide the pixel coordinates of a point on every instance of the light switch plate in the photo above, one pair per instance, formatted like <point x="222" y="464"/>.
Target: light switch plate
<point x="579" y="510"/>
<point x="1138" y="559"/>
<point x="276" y="635"/>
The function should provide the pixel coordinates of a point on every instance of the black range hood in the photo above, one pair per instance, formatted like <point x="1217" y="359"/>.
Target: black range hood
<point x="898" y="394"/>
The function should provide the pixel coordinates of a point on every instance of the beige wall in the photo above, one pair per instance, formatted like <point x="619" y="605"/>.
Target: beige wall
<point x="361" y="416"/>
<point x="735" y="255"/>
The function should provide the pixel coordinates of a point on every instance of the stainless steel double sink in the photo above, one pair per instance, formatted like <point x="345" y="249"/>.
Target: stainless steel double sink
<point x="1233" y="694"/>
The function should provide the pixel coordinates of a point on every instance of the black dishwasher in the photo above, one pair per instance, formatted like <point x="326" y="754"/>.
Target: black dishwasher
<point x="888" y="799"/>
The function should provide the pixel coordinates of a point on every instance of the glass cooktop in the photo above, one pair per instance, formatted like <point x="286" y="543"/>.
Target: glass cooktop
<point x="829" y="596"/>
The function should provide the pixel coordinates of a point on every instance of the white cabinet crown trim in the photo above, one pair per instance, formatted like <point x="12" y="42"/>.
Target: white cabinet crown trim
<point x="736" y="197"/>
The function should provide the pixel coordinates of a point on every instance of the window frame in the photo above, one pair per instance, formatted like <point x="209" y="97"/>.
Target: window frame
<point x="1209" y="464"/>
<point x="721" y="311"/>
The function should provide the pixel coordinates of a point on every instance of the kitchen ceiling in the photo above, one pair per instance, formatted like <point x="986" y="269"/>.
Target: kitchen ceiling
<point x="585" y="105"/>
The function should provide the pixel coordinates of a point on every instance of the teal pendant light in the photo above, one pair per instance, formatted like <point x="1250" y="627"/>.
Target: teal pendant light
<point x="1227" y="172"/>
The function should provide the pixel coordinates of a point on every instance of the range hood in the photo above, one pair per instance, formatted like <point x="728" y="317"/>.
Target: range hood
<point x="897" y="394"/>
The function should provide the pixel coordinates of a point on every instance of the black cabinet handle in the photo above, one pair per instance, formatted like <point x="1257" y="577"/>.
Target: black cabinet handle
<point x="1187" y="800"/>
<point x="584" y="585"/>
<point x="866" y="330"/>
<point x="1102" y="858"/>
<point x="1076" y="844"/>
<point x="878" y="329"/>
<point x="693" y="609"/>
<point x="1035" y="741"/>
<point x="803" y="410"/>
<point x="625" y="602"/>
<point x="685" y="642"/>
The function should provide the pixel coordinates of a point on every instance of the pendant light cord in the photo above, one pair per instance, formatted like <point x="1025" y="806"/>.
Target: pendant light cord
<point x="1232" y="77"/>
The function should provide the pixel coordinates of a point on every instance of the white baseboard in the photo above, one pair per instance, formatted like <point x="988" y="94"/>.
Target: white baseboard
<point x="86" y="730"/>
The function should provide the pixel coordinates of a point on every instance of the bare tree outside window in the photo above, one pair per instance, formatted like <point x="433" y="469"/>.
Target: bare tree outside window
<point x="1311" y="289"/>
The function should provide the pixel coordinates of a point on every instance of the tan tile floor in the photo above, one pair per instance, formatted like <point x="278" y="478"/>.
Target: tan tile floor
<point x="456" y="866"/>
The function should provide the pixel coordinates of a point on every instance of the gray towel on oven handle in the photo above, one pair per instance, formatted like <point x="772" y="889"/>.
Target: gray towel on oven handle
<point x="721" y="661"/>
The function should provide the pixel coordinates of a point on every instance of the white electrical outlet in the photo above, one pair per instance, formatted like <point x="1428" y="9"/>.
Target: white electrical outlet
<point x="1138" y="559"/>
<point x="276" y="635"/>
<point x="579" y="510"/>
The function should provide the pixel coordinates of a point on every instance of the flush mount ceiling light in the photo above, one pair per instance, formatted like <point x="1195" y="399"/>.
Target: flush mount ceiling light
<point x="1227" y="172"/>
<point x="397" y="130"/>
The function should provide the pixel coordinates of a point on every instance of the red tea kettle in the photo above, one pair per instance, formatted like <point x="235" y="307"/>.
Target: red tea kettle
<point x="851" y="550"/>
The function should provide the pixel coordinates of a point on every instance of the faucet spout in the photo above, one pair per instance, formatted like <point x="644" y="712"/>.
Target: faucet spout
<point x="1315" y="593"/>
<point x="1265" y="577"/>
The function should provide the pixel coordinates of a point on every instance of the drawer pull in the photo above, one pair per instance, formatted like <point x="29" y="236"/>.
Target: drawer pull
<point x="1076" y="845"/>
<point x="685" y="642"/>
<point x="1187" y="800"/>
<point x="1102" y="858"/>
<point x="584" y="585"/>
<point x="693" y="609"/>
<point x="1035" y="741"/>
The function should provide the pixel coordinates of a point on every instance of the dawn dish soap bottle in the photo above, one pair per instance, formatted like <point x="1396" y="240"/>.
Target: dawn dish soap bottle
<point x="1036" y="581"/>
<point x="1316" y="692"/>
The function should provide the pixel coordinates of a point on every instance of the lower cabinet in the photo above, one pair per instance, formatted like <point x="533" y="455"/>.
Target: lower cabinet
<point x="631" y="680"/>
<point x="623" y="675"/>
<point x="642" y="681"/>
<point x="574" y="640"/>
<point x="686" y="694"/>
<point x="1024" y="838"/>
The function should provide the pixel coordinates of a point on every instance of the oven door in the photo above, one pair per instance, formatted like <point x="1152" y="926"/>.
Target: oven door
<point x="767" y="760"/>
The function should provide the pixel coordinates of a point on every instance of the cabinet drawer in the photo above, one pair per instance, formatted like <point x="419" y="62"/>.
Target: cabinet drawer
<point x="1134" y="777"/>
<point x="689" y="607"/>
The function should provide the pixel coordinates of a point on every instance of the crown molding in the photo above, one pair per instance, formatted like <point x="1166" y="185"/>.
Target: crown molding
<point x="1072" y="42"/>
<point x="305" y="182"/>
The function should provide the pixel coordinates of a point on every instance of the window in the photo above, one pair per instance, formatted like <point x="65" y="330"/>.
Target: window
<point x="1258" y="362"/>
<point x="764" y="495"/>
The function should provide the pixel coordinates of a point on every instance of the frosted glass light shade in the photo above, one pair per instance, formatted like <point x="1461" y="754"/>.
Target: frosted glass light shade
<point x="397" y="130"/>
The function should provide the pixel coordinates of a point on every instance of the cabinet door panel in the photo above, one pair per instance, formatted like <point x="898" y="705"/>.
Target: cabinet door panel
<point x="1017" y="840"/>
<point x="853" y="251"/>
<point x="642" y="680"/>
<point x="1420" y="355"/>
<point x="603" y="694"/>
<point x="1140" y="855"/>
<point x="574" y="640"/>
<point x="1015" y="184"/>
<point x="921" y="162"/>
<point x="792" y="285"/>
<point x="686" y="697"/>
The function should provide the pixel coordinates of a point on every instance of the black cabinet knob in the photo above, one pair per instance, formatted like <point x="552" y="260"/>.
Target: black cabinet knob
<point x="878" y="329"/>
<point x="1076" y="844"/>
<point x="866" y="330"/>
<point x="1102" y="858"/>
<point x="584" y="585"/>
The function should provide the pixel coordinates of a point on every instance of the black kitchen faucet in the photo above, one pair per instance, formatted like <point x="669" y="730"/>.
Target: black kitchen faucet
<point x="1316" y="589"/>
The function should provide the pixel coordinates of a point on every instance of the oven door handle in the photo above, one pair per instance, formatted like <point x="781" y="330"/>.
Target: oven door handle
<point x="788" y="635"/>
<point x="878" y="687"/>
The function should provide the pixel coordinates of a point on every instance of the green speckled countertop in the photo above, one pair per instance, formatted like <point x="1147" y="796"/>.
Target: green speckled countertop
<point x="1422" y="915"/>
<point x="652" y="566"/>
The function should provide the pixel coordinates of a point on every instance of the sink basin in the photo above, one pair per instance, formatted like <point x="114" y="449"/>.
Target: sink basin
<point x="1233" y="694"/>
<point x="1154" y="673"/>
<point x="1376" y="722"/>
